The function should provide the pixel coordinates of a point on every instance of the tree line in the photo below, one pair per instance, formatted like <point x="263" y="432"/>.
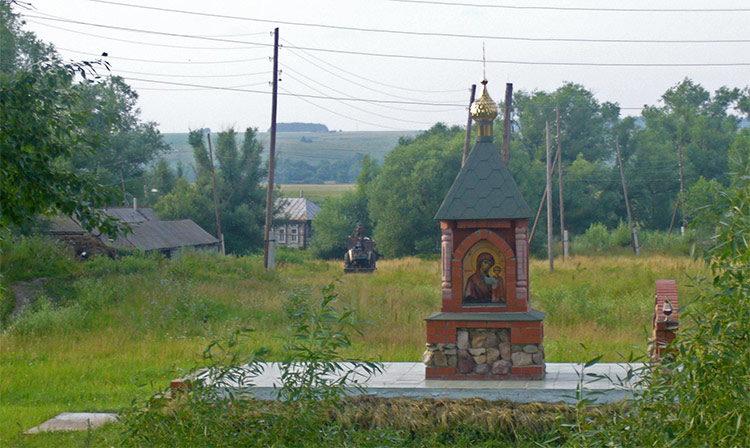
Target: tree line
<point x="396" y="201"/>
<point x="73" y="141"/>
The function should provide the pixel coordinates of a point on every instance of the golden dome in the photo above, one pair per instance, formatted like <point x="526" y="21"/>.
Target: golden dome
<point x="484" y="108"/>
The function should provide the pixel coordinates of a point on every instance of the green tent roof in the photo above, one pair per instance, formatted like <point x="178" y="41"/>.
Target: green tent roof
<point x="483" y="189"/>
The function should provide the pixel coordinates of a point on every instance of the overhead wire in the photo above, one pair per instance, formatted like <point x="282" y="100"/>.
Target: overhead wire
<point x="138" y="30"/>
<point x="569" y="8"/>
<point x="363" y="100"/>
<point x="236" y="75"/>
<point x="417" y="57"/>
<point x="164" y="89"/>
<point x="156" y="61"/>
<point x="286" y="72"/>
<point x="304" y="98"/>
<point x="358" y="108"/>
<point x="357" y="83"/>
<point x="418" y="33"/>
<point x="409" y="89"/>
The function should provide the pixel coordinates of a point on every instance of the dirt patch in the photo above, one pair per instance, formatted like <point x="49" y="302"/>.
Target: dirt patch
<point x="86" y="246"/>
<point x="25" y="293"/>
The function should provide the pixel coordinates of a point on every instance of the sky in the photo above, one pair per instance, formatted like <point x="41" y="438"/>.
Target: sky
<point x="379" y="65"/>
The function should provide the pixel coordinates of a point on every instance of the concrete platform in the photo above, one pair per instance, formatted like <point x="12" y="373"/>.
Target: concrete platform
<point x="74" y="421"/>
<point x="601" y="382"/>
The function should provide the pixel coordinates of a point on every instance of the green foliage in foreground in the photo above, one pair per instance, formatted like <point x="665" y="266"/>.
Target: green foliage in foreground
<point x="700" y="394"/>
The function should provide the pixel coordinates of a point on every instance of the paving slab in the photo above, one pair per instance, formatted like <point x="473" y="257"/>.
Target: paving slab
<point x="74" y="421"/>
<point x="601" y="382"/>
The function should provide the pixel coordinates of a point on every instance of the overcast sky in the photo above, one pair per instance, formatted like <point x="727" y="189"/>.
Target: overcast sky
<point x="426" y="78"/>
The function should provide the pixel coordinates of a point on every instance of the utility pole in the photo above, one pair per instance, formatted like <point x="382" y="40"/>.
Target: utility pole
<point x="468" y="125"/>
<point x="268" y="255"/>
<point x="633" y="233"/>
<point x="549" y="204"/>
<point x="682" y="192"/>
<point x="682" y="195"/>
<point x="216" y="201"/>
<point x="560" y="184"/>
<point x="506" y="123"/>
<point x="541" y="203"/>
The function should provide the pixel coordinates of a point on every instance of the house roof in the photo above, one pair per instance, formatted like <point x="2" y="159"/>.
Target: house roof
<point x="298" y="209"/>
<point x="130" y="216"/>
<point x="483" y="189"/>
<point x="65" y="225"/>
<point x="157" y="235"/>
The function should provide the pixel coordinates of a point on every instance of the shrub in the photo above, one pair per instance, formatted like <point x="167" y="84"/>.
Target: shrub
<point x="25" y="258"/>
<point x="45" y="317"/>
<point x="596" y="239"/>
<point x="314" y="379"/>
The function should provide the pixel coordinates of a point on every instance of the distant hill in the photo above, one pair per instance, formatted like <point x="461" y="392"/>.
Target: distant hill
<point x="312" y="148"/>
<point x="300" y="127"/>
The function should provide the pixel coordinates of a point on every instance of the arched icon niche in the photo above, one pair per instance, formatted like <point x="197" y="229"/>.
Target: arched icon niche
<point x="483" y="275"/>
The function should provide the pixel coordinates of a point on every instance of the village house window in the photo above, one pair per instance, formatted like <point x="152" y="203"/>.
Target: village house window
<point x="281" y="235"/>
<point x="293" y="234"/>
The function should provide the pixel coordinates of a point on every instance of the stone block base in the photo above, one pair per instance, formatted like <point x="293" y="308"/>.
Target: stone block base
<point x="485" y="346"/>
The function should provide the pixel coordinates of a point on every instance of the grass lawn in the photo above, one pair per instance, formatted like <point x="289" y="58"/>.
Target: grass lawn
<point x="120" y="330"/>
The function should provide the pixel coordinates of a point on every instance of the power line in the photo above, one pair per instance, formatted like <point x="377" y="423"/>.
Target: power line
<point x="359" y="108"/>
<point x="154" y="61"/>
<point x="303" y="98"/>
<point x="568" y="8"/>
<point x="381" y="105"/>
<point x="433" y="34"/>
<point x="362" y="100"/>
<point x="197" y="88"/>
<point x="412" y="57"/>
<point x="158" y="33"/>
<point x="362" y="85"/>
<point x="238" y="75"/>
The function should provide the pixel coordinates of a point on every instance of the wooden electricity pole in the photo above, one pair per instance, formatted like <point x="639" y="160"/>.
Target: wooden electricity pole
<point x="550" y="239"/>
<point x="506" y="123"/>
<point x="468" y="125"/>
<point x="541" y="203"/>
<point x="268" y="260"/>
<point x="682" y="190"/>
<point x="216" y="202"/>
<point x="682" y="195"/>
<point x="560" y="184"/>
<point x="633" y="233"/>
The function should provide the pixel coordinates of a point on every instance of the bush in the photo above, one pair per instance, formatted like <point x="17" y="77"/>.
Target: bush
<point x="45" y="318"/>
<point x="25" y="258"/>
<point x="596" y="239"/>
<point x="314" y="378"/>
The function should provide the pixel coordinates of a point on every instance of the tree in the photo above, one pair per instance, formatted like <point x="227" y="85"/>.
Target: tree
<point x="338" y="217"/>
<point x="240" y="196"/>
<point x="124" y="145"/>
<point x="690" y="119"/>
<point x="412" y="183"/>
<point x="41" y="130"/>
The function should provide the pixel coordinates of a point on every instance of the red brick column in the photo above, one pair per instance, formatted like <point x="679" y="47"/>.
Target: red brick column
<point x="447" y="255"/>
<point x="666" y="321"/>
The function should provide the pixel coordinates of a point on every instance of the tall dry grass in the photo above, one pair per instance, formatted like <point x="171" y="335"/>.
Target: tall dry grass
<point x="126" y="327"/>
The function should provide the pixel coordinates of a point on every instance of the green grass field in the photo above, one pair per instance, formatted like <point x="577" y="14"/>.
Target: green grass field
<point x="289" y="146"/>
<point x="117" y="331"/>
<point x="314" y="192"/>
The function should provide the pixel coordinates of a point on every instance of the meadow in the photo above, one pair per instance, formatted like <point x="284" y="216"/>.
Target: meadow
<point x="317" y="193"/>
<point x="107" y="332"/>
<point x="317" y="146"/>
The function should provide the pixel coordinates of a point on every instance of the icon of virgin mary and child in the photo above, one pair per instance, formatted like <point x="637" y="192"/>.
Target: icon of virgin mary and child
<point x="486" y="284"/>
